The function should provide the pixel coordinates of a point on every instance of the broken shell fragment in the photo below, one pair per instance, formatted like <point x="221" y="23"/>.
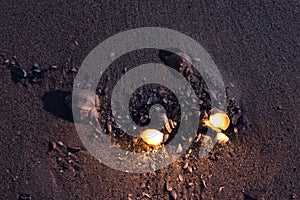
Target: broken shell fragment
<point x="169" y="124"/>
<point x="152" y="137"/>
<point x="221" y="138"/>
<point x="168" y="127"/>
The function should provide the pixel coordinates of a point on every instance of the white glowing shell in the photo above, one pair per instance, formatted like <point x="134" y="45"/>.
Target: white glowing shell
<point x="221" y="138"/>
<point x="219" y="120"/>
<point x="152" y="136"/>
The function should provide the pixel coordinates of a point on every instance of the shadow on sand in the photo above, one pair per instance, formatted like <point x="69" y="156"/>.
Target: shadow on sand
<point x="54" y="103"/>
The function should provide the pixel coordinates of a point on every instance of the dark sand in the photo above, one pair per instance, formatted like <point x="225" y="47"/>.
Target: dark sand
<point x="256" y="46"/>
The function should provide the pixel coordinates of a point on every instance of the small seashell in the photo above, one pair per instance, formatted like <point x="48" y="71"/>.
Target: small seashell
<point x="179" y="149"/>
<point x="221" y="138"/>
<point x="152" y="137"/>
<point x="218" y="119"/>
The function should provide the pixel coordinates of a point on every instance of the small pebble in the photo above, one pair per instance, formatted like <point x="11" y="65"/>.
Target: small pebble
<point x="73" y="149"/>
<point x="186" y="164"/>
<point x="109" y="127"/>
<point x="52" y="145"/>
<point x="20" y="72"/>
<point x="203" y="183"/>
<point x="53" y="67"/>
<point x="196" y="59"/>
<point x="73" y="70"/>
<point x="37" y="70"/>
<point x="35" y="80"/>
<point x="198" y="137"/>
<point x="179" y="149"/>
<point x="125" y="69"/>
<point x="112" y="54"/>
<point x="173" y="194"/>
<point x="168" y="186"/>
<point x="190" y="169"/>
<point x="146" y="195"/>
<point x="143" y="185"/>
<point x="60" y="143"/>
<point x="259" y="195"/>
<point x="180" y="177"/>
<point x="221" y="189"/>
<point x="24" y="197"/>
<point x="190" y="185"/>
<point x="35" y="66"/>
<point x="235" y="130"/>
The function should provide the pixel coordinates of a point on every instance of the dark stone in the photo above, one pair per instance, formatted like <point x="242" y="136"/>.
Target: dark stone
<point x="255" y="195"/>
<point x="24" y="197"/>
<point x="73" y="149"/>
<point x="17" y="74"/>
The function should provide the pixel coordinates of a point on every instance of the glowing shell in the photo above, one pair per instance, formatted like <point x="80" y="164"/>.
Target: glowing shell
<point x="152" y="137"/>
<point x="221" y="138"/>
<point x="219" y="121"/>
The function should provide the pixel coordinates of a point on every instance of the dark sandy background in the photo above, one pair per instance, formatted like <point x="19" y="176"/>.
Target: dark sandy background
<point x="256" y="46"/>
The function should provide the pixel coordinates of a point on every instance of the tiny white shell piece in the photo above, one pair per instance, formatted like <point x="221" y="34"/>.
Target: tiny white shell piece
<point x="221" y="138"/>
<point x="152" y="136"/>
